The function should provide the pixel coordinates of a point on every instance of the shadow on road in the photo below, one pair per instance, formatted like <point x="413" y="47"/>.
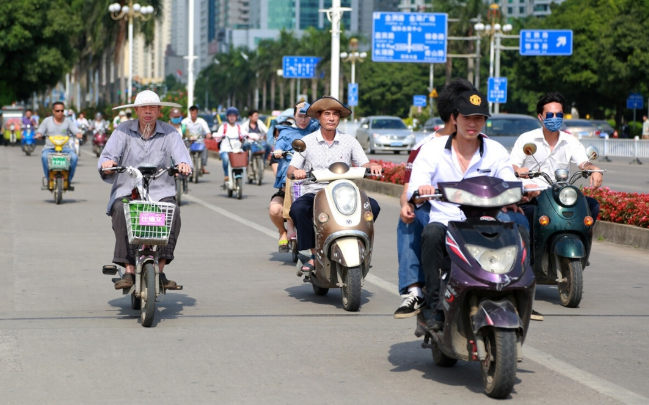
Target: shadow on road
<point x="64" y="201"/>
<point x="409" y="356"/>
<point x="171" y="306"/>
<point x="548" y="293"/>
<point x="304" y="293"/>
<point x="282" y="257"/>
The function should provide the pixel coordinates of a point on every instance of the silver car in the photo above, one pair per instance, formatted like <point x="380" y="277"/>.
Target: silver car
<point x="506" y="128"/>
<point x="384" y="133"/>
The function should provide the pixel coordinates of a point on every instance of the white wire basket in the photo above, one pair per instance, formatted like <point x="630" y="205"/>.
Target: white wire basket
<point x="58" y="162"/>
<point x="148" y="223"/>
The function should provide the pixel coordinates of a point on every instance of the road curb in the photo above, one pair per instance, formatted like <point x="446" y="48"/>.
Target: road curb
<point x="609" y="231"/>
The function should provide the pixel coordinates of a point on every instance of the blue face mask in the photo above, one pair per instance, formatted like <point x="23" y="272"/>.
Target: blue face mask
<point x="553" y="124"/>
<point x="177" y="120"/>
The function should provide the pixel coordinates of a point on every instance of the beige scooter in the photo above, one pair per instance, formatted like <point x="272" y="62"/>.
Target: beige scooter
<point x="344" y="229"/>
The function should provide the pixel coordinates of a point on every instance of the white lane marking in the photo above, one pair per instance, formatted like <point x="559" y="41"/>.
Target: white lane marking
<point x="558" y="366"/>
<point x="592" y="381"/>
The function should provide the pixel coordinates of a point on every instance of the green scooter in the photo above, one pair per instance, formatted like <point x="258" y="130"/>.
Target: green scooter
<point x="562" y="231"/>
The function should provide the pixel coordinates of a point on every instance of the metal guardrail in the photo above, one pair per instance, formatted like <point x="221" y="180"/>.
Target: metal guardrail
<point x="633" y="148"/>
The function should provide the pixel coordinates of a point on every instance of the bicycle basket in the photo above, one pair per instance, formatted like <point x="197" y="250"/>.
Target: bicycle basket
<point x="148" y="223"/>
<point x="197" y="147"/>
<point x="58" y="162"/>
<point x="238" y="159"/>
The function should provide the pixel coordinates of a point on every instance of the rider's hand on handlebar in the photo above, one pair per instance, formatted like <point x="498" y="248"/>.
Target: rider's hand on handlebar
<point x="375" y="169"/>
<point x="38" y="136"/>
<point x="184" y="168"/>
<point x="522" y="172"/>
<point x="407" y="213"/>
<point x="108" y="164"/>
<point x="426" y="190"/>
<point x="278" y="153"/>
<point x="79" y="135"/>
<point x="299" y="174"/>
<point x="513" y="208"/>
<point x="596" y="179"/>
<point x="529" y="194"/>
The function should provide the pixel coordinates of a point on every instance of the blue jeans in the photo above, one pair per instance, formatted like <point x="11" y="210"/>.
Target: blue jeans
<point x="73" y="160"/>
<point x="409" y="244"/>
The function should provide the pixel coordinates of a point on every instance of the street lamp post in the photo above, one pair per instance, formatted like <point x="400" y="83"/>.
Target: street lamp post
<point x="130" y="11"/>
<point x="495" y="33"/>
<point x="334" y="15"/>
<point x="352" y="57"/>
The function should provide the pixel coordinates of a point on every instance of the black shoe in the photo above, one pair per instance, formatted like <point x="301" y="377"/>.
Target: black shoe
<point x="536" y="316"/>
<point x="436" y="322"/>
<point x="165" y="283"/>
<point x="126" y="281"/>
<point x="410" y="306"/>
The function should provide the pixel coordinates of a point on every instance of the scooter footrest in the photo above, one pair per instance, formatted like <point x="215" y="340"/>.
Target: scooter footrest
<point x="109" y="269"/>
<point x="177" y="287"/>
<point x="70" y="188"/>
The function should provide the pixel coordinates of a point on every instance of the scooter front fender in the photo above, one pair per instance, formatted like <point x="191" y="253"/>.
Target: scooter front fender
<point x="499" y="314"/>
<point x="346" y="252"/>
<point x="568" y="245"/>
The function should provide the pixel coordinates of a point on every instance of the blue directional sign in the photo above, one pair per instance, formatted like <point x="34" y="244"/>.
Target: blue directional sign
<point x="497" y="90"/>
<point x="352" y="94"/>
<point x="299" y="67"/>
<point x="635" y="102"/>
<point x="419" y="101"/>
<point x="409" y="37"/>
<point x="546" y="43"/>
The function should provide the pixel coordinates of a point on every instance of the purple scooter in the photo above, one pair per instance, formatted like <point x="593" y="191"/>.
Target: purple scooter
<point x="487" y="293"/>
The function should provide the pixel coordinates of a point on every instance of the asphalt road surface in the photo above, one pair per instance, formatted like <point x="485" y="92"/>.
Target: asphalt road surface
<point x="246" y="330"/>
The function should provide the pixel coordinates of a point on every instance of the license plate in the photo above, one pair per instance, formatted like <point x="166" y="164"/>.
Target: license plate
<point x="59" y="162"/>
<point x="583" y="133"/>
<point x="152" y="219"/>
<point x="396" y="143"/>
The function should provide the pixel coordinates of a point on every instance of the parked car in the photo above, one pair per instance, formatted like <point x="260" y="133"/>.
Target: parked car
<point x="433" y="124"/>
<point x="384" y="133"/>
<point x="506" y="128"/>
<point x="606" y="129"/>
<point x="581" y="128"/>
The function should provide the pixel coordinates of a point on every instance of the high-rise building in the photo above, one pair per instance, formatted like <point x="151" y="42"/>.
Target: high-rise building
<point x="175" y="63"/>
<point x="524" y="8"/>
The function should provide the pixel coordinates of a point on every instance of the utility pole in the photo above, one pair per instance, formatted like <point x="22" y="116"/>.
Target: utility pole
<point x="190" y="58"/>
<point x="334" y="15"/>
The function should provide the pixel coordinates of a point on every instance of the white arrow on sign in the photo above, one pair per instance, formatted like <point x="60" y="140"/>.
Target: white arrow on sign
<point x="561" y="41"/>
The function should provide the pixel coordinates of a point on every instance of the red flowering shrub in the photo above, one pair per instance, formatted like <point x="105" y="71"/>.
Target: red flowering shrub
<point x="620" y="207"/>
<point x="392" y="172"/>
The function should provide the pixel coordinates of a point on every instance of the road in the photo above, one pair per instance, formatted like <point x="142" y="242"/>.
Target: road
<point x="246" y="330"/>
<point x="619" y="176"/>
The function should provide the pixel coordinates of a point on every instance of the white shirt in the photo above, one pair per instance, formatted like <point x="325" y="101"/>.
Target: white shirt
<point x="83" y="122"/>
<point x="196" y="128"/>
<point x="645" y="128"/>
<point x="233" y="133"/>
<point x="260" y="125"/>
<point x="437" y="162"/>
<point x="568" y="149"/>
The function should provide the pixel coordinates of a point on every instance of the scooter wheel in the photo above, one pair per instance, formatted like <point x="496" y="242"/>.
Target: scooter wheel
<point x="499" y="368"/>
<point x="320" y="290"/>
<point x="351" y="292"/>
<point x="440" y="358"/>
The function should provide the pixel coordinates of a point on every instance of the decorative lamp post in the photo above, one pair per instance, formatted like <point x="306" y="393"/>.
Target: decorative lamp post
<point x="130" y="11"/>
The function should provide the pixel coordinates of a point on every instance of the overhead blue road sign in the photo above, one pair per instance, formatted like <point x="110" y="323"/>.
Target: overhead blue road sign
<point x="409" y="37"/>
<point x="545" y="43"/>
<point x="635" y="101"/>
<point x="299" y="67"/>
<point x="352" y="94"/>
<point x="419" y="101"/>
<point x="497" y="90"/>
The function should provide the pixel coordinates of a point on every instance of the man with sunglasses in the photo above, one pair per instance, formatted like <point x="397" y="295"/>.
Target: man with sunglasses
<point x="555" y="150"/>
<point x="58" y="125"/>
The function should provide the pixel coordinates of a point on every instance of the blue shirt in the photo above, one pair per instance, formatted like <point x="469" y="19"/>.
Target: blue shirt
<point x="287" y="135"/>
<point x="127" y="148"/>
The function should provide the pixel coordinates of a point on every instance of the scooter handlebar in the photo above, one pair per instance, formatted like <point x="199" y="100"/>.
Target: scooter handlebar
<point x="309" y="176"/>
<point x="436" y="196"/>
<point x="119" y="169"/>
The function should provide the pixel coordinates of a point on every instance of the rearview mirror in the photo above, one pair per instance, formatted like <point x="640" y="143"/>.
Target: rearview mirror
<point x="529" y="149"/>
<point x="298" y="145"/>
<point x="592" y="153"/>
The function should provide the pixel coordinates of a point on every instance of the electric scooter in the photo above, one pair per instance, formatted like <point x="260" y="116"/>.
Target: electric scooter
<point x="28" y="141"/>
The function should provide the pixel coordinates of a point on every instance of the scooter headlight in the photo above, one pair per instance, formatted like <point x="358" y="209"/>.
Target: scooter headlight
<point x="568" y="196"/>
<point x="345" y="198"/>
<point x="497" y="261"/>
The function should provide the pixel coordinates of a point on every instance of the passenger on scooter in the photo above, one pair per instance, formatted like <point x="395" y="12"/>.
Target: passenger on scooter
<point x="289" y="121"/>
<point x="412" y="221"/>
<point x="324" y="147"/>
<point x="287" y="134"/>
<point x="254" y="126"/>
<point x="136" y="142"/>
<point x="228" y="133"/>
<point x="58" y="125"/>
<point x="28" y="119"/>
<point x="196" y="127"/>
<point x="555" y="150"/>
<point x="466" y="153"/>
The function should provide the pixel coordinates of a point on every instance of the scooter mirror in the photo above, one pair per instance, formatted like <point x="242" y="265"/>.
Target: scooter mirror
<point x="529" y="149"/>
<point x="592" y="153"/>
<point x="298" y="145"/>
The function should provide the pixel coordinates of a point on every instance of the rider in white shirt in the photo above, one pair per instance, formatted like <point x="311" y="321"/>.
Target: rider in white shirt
<point x="197" y="128"/>
<point x="82" y="122"/>
<point x="99" y="123"/>
<point x="232" y="135"/>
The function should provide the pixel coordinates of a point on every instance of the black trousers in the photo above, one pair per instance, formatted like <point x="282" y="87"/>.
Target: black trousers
<point x="302" y="215"/>
<point x="124" y="252"/>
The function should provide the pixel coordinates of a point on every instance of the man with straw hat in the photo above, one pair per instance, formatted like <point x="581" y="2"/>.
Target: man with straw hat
<point x="323" y="147"/>
<point x="132" y="143"/>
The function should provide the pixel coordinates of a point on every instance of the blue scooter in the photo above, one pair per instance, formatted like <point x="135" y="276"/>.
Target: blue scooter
<point x="28" y="140"/>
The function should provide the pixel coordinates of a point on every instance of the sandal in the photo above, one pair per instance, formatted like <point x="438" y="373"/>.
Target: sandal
<point x="165" y="283"/>
<point x="308" y="267"/>
<point x="283" y="243"/>
<point x="126" y="281"/>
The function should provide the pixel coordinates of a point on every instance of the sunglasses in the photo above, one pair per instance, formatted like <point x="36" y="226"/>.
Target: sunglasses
<point x="552" y="115"/>
<point x="59" y="110"/>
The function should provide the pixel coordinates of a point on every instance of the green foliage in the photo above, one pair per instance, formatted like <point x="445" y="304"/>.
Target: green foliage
<point x="36" y="44"/>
